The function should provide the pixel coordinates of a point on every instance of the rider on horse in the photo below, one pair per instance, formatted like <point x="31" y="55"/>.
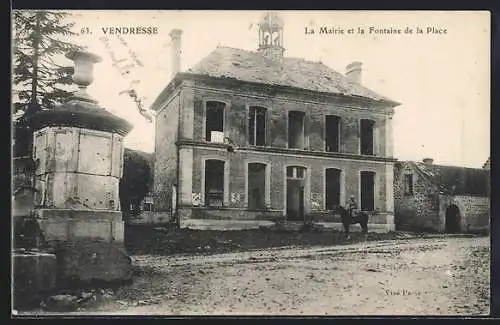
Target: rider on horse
<point x="352" y="206"/>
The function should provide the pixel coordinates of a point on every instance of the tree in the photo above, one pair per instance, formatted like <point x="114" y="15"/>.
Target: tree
<point x="136" y="180"/>
<point x="38" y="80"/>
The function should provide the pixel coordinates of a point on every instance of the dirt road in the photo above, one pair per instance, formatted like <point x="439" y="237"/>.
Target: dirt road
<point x="438" y="276"/>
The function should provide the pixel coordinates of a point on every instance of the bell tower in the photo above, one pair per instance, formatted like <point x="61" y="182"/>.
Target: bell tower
<point x="271" y="36"/>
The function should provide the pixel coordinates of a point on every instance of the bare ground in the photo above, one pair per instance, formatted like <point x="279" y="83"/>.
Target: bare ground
<point x="433" y="276"/>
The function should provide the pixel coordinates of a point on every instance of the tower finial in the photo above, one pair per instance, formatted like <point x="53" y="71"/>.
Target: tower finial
<point x="271" y="36"/>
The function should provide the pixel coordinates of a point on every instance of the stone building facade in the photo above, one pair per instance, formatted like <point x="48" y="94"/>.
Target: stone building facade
<point x="255" y="137"/>
<point x="431" y="197"/>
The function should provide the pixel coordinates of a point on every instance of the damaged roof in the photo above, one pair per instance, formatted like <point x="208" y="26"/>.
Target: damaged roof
<point x="455" y="180"/>
<point x="239" y="64"/>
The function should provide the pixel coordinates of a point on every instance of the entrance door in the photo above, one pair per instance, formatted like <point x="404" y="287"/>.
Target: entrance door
<point x="295" y="200"/>
<point x="452" y="222"/>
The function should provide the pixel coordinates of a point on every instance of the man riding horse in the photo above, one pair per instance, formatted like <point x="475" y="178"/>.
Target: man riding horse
<point x="352" y="206"/>
<point x="351" y="215"/>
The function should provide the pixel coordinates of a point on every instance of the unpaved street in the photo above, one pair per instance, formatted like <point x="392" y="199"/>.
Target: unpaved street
<point x="436" y="276"/>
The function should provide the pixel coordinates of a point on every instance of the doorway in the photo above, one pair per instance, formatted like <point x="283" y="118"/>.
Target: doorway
<point x="452" y="221"/>
<point x="256" y="186"/>
<point x="295" y="184"/>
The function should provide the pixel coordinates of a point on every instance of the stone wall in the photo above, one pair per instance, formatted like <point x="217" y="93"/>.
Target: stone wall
<point x="165" y="166"/>
<point x="425" y="210"/>
<point x="150" y="217"/>
<point x="419" y="211"/>
<point x="239" y="99"/>
<point x="474" y="212"/>
<point x="315" y="177"/>
<point x="194" y="150"/>
<point x="477" y="212"/>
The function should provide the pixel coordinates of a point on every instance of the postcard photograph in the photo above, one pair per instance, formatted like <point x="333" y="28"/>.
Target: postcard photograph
<point x="299" y="163"/>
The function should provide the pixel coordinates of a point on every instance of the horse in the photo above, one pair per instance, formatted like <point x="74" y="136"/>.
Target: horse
<point x="360" y="217"/>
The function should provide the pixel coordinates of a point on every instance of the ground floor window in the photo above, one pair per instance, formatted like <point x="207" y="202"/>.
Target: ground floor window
<point x="332" y="184"/>
<point x="256" y="186"/>
<point x="214" y="182"/>
<point x="367" y="191"/>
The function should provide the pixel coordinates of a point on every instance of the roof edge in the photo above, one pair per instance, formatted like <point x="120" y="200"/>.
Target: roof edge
<point x="190" y="75"/>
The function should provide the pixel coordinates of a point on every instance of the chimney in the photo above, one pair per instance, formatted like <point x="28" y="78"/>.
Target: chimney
<point x="175" y="37"/>
<point x="353" y="72"/>
<point x="428" y="161"/>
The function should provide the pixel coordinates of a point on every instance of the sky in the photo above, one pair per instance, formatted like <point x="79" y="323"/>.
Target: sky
<point x="442" y="80"/>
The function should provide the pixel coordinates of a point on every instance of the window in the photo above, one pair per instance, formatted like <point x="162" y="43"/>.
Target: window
<point x="295" y="172"/>
<point x="366" y="138"/>
<point x="257" y="126"/>
<point x="296" y="130"/>
<point x="332" y="133"/>
<point x="214" y="182"/>
<point x="367" y="191"/>
<point x="256" y="186"/>
<point x="295" y="192"/>
<point x="214" y="128"/>
<point x="332" y="183"/>
<point x="147" y="207"/>
<point x="408" y="184"/>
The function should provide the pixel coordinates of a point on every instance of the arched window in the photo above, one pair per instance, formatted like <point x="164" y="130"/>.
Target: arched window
<point x="256" y="186"/>
<point x="295" y="172"/>
<point x="214" y="182"/>
<point x="367" y="191"/>
<point x="332" y="184"/>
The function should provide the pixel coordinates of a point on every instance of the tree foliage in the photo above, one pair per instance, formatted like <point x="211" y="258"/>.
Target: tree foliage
<point x="137" y="178"/>
<point x="38" y="80"/>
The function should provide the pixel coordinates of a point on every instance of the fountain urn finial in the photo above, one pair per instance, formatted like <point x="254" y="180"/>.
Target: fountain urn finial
<point x="84" y="68"/>
<point x="81" y="110"/>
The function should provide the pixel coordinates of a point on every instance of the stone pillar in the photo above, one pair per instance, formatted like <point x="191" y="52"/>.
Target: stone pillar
<point x="389" y="176"/>
<point x="389" y="141"/>
<point x="79" y="150"/>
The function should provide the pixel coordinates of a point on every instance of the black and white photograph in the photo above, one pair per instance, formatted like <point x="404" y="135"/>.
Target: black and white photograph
<point x="250" y="163"/>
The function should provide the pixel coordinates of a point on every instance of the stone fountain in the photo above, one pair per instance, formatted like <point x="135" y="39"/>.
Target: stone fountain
<point x="78" y="149"/>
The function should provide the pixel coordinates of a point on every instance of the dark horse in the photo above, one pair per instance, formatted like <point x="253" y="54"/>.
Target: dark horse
<point x="360" y="217"/>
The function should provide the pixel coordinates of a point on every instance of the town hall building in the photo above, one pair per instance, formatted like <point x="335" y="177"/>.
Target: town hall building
<point x="252" y="138"/>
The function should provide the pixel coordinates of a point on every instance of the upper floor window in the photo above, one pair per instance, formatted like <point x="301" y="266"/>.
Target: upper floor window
<point x="332" y="133"/>
<point x="214" y="127"/>
<point x="408" y="184"/>
<point x="296" y="132"/>
<point x="366" y="137"/>
<point x="257" y="126"/>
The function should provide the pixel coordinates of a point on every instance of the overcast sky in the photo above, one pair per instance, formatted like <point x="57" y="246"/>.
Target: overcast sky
<point x="442" y="80"/>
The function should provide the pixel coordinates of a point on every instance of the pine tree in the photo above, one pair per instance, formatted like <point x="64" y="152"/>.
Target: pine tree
<point x="37" y="79"/>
